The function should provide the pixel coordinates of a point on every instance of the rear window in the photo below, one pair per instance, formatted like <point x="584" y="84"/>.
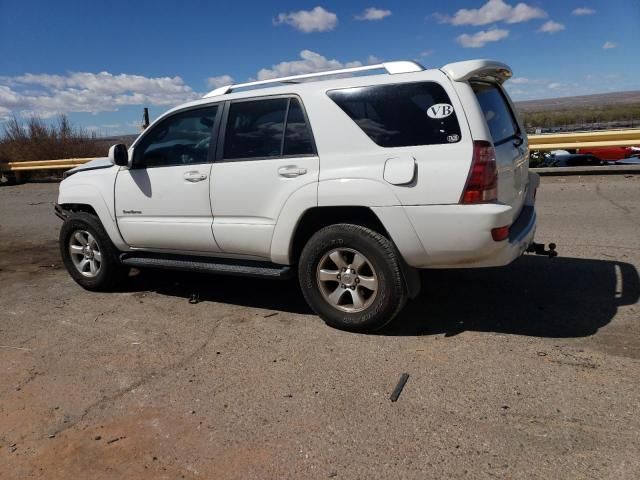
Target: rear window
<point x="502" y="124"/>
<point x="401" y="115"/>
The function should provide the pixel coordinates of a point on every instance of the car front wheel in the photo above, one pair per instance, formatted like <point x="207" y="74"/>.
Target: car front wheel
<point x="88" y="254"/>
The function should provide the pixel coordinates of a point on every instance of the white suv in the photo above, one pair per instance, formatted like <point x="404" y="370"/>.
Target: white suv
<point x="355" y="182"/>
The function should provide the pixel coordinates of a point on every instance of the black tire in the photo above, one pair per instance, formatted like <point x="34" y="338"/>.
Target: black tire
<point x="110" y="271"/>
<point x="381" y="254"/>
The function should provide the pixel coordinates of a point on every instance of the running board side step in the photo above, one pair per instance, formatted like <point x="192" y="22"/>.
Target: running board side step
<point x="219" y="266"/>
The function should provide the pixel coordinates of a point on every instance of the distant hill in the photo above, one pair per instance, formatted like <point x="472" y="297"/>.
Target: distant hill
<point x="597" y="101"/>
<point x="586" y="112"/>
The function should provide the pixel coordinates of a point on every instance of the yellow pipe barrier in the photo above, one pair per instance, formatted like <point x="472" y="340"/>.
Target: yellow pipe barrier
<point x="64" y="166"/>
<point x="565" y="146"/>
<point x="48" y="163"/>
<point x="572" y="140"/>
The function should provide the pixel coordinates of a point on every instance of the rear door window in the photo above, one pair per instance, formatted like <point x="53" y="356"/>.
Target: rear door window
<point x="500" y="119"/>
<point x="254" y="129"/>
<point x="297" y="139"/>
<point x="399" y="115"/>
<point x="267" y="128"/>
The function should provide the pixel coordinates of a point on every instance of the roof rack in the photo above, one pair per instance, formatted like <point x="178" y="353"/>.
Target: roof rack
<point x="391" y="67"/>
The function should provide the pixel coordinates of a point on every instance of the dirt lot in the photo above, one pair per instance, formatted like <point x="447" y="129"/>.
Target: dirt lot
<point x="530" y="371"/>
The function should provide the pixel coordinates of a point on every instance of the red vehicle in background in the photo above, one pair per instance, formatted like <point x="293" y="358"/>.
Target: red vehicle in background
<point x="610" y="153"/>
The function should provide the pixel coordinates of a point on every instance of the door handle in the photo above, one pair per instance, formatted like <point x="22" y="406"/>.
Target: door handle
<point x="291" y="171"/>
<point x="194" y="176"/>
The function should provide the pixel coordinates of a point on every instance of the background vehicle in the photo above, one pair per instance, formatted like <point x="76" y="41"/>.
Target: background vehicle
<point x="355" y="183"/>
<point x="562" y="158"/>
<point x="609" y="153"/>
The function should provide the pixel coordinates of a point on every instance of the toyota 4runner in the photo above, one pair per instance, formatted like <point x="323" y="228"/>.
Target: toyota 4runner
<point x="352" y="182"/>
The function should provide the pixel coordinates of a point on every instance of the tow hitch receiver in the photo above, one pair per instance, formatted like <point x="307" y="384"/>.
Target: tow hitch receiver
<point x="539" y="249"/>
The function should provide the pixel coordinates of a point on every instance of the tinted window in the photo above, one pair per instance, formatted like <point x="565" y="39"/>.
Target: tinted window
<point x="496" y="111"/>
<point x="254" y="129"/>
<point x="396" y="115"/>
<point x="297" y="136"/>
<point x="183" y="138"/>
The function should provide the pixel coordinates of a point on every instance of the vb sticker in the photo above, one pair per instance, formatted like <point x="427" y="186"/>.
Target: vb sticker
<point x="439" y="110"/>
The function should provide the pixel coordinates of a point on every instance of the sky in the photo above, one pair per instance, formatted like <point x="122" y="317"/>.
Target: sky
<point x="102" y="62"/>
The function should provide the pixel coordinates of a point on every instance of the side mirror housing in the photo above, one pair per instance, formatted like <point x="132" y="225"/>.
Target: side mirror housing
<point x="118" y="155"/>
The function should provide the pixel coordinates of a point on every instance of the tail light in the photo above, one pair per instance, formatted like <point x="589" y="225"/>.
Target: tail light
<point x="482" y="184"/>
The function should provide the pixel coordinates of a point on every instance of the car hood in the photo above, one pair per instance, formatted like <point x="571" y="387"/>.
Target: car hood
<point x="94" y="164"/>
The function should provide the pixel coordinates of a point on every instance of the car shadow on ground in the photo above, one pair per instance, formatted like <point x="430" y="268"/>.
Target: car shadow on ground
<point x="279" y="295"/>
<point x="537" y="296"/>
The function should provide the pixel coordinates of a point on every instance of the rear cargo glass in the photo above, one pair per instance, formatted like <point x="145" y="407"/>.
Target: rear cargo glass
<point x="500" y="119"/>
<point x="398" y="115"/>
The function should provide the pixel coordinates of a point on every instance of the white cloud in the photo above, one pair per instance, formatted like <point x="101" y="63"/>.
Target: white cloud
<point x="609" y="45"/>
<point x="554" y="85"/>
<point x="583" y="11"/>
<point x="221" y="81"/>
<point x="373" y="13"/>
<point x="309" y="62"/>
<point x="519" y="80"/>
<point x="493" y="11"/>
<point x="523" y="13"/>
<point x="551" y="27"/>
<point x="425" y="53"/>
<point x="307" y="21"/>
<point x="48" y="95"/>
<point x="481" y="38"/>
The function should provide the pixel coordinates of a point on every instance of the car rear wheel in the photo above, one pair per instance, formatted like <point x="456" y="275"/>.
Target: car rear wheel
<point x="350" y="275"/>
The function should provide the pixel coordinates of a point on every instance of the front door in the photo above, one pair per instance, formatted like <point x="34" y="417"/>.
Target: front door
<point x="162" y="202"/>
<point x="268" y="155"/>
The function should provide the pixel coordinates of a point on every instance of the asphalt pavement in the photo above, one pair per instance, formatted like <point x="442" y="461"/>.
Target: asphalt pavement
<point x="528" y="371"/>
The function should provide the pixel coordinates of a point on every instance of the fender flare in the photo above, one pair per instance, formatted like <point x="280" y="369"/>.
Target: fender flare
<point x="89" y="195"/>
<point x="298" y="202"/>
<point x="348" y="193"/>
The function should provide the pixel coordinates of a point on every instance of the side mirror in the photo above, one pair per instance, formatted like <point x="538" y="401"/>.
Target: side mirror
<point x="118" y="155"/>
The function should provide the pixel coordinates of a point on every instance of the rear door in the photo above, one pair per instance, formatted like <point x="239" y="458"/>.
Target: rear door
<point x="268" y="154"/>
<point x="512" y="154"/>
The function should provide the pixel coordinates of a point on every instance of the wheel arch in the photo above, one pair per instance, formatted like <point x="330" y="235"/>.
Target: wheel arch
<point x="316" y="218"/>
<point x="87" y="198"/>
<point x="78" y="207"/>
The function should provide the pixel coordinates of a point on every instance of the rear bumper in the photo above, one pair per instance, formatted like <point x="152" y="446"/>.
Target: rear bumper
<point x="459" y="236"/>
<point x="521" y="235"/>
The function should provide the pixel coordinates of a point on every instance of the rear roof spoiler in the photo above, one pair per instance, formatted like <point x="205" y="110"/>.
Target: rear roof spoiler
<point x="480" y="69"/>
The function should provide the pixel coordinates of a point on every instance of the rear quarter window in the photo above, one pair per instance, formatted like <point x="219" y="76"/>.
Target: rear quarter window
<point x="497" y="113"/>
<point x="398" y="115"/>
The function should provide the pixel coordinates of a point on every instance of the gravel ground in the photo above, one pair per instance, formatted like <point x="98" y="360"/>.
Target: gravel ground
<point x="529" y="371"/>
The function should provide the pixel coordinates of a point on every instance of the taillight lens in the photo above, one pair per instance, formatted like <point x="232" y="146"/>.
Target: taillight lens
<point x="482" y="184"/>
